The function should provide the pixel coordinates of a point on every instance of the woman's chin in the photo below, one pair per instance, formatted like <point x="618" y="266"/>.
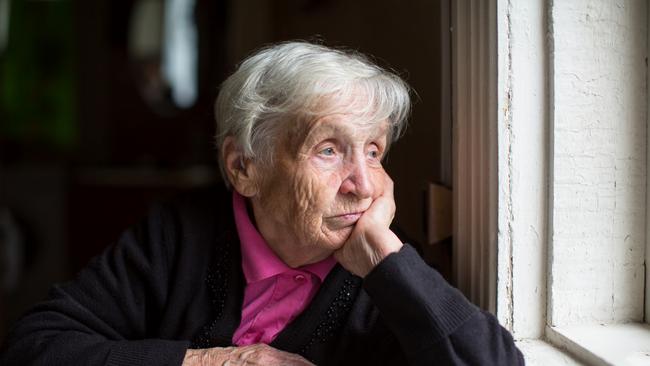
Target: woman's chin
<point x="340" y="237"/>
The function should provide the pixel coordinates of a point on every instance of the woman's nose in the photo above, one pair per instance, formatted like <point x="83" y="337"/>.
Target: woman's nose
<point x="358" y="180"/>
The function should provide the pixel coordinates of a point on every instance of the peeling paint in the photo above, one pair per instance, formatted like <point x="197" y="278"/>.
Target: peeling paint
<point x="522" y="167"/>
<point x="508" y="181"/>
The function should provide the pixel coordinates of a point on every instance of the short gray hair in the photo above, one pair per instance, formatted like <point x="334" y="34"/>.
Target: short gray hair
<point x="289" y="81"/>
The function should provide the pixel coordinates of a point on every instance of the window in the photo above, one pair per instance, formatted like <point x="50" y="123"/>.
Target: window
<point x="569" y="131"/>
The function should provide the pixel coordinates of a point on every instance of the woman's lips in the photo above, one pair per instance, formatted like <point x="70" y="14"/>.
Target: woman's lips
<point x="345" y="220"/>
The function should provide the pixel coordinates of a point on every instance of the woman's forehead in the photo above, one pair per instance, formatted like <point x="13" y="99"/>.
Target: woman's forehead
<point x="350" y="115"/>
<point x="342" y="124"/>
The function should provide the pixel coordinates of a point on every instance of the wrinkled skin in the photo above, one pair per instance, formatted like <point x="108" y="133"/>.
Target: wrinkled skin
<point x="371" y="240"/>
<point x="310" y="200"/>
<point x="326" y="189"/>
<point x="326" y="194"/>
<point x="256" y="354"/>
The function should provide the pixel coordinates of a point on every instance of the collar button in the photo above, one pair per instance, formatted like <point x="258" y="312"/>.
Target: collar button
<point x="299" y="278"/>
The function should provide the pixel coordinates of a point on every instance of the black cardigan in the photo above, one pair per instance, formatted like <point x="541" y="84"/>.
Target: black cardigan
<point x="175" y="281"/>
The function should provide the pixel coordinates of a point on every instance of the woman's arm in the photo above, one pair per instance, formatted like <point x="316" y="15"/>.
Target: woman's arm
<point x="105" y="314"/>
<point x="433" y="322"/>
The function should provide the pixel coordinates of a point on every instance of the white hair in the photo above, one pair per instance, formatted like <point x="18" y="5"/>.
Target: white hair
<point x="293" y="81"/>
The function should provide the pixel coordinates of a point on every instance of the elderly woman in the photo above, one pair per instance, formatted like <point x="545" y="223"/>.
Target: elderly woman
<point x="293" y="263"/>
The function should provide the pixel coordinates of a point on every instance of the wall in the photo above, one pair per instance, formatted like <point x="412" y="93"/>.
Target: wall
<point x="572" y="163"/>
<point x="522" y="166"/>
<point x="599" y="161"/>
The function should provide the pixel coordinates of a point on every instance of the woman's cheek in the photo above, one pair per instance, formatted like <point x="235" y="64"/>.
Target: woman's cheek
<point x="326" y="163"/>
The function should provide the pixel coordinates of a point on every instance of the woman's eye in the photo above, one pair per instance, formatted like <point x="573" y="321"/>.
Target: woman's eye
<point x="374" y="154"/>
<point x="328" y="151"/>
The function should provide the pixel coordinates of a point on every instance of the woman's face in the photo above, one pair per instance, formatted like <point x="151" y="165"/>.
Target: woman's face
<point x="323" y="178"/>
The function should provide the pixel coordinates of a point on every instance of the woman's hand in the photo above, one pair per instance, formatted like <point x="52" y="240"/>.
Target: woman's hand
<point x="256" y="354"/>
<point x="371" y="240"/>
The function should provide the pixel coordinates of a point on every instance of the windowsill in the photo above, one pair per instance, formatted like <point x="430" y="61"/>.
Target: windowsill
<point x="615" y="344"/>
<point x="540" y="353"/>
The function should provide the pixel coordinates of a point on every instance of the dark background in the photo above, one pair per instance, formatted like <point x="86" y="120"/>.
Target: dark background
<point x="83" y="152"/>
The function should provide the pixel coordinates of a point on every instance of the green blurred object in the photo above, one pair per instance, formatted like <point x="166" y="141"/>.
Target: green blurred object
<point x="37" y="75"/>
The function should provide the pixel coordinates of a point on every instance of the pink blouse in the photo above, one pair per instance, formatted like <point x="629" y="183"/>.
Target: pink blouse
<point x="275" y="293"/>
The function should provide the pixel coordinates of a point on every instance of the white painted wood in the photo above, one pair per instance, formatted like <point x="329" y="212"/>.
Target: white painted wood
<point x="599" y="161"/>
<point x="487" y="154"/>
<point x="571" y="159"/>
<point x="523" y="158"/>
<point x="616" y="344"/>
<point x="540" y="353"/>
<point x="504" y="252"/>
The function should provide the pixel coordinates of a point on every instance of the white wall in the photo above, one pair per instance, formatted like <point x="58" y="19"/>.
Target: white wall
<point x="572" y="162"/>
<point x="523" y="150"/>
<point x="598" y="83"/>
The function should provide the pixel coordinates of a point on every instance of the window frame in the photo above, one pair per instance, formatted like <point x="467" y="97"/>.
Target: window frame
<point x="488" y="217"/>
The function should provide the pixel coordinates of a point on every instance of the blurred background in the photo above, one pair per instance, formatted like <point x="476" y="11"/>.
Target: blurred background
<point x="106" y="106"/>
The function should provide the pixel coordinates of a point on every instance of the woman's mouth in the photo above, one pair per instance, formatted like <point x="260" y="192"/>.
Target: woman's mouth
<point x="345" y="220"/>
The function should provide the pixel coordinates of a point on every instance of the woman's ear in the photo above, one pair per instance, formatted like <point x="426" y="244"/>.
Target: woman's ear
<point x="240" y="171"/>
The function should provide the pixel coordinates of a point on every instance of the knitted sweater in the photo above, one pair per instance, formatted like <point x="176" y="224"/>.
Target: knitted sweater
<point x="175" y="281"/>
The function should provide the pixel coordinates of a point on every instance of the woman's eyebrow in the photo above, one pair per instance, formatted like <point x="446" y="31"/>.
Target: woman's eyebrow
<point x="319" y="130"/>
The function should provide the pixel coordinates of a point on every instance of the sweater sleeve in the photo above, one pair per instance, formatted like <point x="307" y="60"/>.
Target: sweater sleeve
<point x="433" y="322"/>
<point x="106" y="315"/>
